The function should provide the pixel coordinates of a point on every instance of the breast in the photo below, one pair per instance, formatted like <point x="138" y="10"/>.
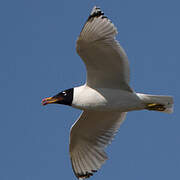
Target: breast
<point x="86" y="98"/>
<point x="104" y="99"/>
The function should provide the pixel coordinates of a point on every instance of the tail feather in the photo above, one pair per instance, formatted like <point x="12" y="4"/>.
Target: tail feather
<point x="158" y="102"/>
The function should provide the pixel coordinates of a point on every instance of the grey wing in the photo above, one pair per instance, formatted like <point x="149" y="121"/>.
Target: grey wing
<point x="106" y="62"/>
<point x="89" y="136"/>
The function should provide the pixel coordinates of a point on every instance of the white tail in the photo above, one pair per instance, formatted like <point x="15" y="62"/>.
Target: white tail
<point x="157" y="102"/>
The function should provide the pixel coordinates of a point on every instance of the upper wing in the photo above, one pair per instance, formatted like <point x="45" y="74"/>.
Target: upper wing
<point x="106" y="62"/>
<point x="90" y="134"/>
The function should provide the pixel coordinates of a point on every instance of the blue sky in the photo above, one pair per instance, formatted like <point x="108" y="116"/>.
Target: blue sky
<point x="38" y="59"/>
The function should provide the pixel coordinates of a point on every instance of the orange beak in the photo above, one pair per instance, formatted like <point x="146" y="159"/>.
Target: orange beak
<point x="50" y="100"/>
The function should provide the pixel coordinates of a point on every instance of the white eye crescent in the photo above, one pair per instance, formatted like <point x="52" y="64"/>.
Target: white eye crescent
<point x="64" y="93"/>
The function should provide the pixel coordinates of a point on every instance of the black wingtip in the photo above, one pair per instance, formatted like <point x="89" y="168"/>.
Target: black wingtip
<point x="96" y="12"/>
<point x="86" y="175"/>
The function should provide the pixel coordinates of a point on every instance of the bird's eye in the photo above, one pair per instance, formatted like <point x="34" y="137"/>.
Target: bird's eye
<point x="64" y="93"/>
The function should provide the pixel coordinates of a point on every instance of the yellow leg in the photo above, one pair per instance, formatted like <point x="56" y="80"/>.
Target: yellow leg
<point x="155" y="107"/>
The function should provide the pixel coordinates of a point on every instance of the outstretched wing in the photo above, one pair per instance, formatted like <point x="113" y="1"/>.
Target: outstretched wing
<point x="89" y="136"/>
<point x="106" y="62"/>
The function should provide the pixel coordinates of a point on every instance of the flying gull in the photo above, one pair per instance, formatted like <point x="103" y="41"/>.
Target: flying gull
<point x="105" y="98"/>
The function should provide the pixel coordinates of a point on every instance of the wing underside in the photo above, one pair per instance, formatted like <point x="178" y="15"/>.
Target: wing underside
<point x="88" y="139"/>
<point x="106" y="61"/>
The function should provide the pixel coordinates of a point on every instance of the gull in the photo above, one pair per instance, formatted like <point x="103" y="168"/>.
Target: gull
<point x="105" y="98"/>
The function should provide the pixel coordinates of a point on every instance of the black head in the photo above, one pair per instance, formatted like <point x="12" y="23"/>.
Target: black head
<point x="64" y="97"/>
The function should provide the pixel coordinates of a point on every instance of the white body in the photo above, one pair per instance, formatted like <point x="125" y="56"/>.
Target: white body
<point x="104" y="99"/>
